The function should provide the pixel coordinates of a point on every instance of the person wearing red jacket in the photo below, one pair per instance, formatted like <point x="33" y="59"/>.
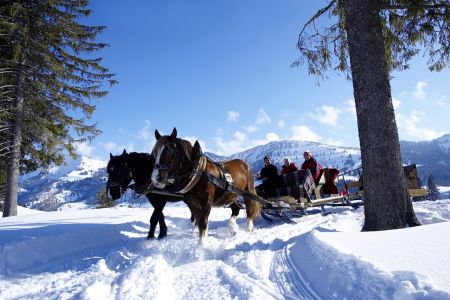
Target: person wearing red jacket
<point x="311" y="164"/>
<point x="288" y="166"/>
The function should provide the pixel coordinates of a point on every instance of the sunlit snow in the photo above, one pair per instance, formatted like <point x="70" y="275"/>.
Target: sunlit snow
<point x="103" y="254"/>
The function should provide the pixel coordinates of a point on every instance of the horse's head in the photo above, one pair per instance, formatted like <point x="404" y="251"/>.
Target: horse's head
<point x="171" y="156"/>
<point x="119" y="175"/>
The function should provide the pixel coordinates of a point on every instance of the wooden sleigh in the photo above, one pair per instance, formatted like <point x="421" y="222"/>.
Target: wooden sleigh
<point x="300" y="192"/>
<point x="354" y="189"/>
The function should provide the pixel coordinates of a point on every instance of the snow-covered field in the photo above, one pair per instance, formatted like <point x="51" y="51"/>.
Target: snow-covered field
<point x="103" y="254"/>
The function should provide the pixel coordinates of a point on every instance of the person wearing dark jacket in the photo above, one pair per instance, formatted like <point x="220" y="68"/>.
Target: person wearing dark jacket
<point x="311" y="164"/>
<point x="269" y="176"/>
<point x="288" y="166"/>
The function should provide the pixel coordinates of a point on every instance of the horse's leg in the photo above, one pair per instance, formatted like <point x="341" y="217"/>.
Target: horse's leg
<point x="157" y="216"/>
<point x="195" y="212"/>
<point x="153" y="221"/>
<point x="162" y="223"/>
<point x="232" y="225"/>
<point x="250" y="224"/>
<point x="203" y="221"/>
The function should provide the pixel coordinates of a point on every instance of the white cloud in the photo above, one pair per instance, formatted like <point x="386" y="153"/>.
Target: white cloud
<point x="233" y="116"/>
<point x="251" y="129"/>
<point x="441" y="102"/>
<point x="396" y="103"/>
<point x="240" y="136"/>
<point x="351" y="107"/>
<point x="270" y="137"/>
<point x="281" y="124"/>
<point x="419" y="92"/>
<point x="117" y="149"/>
<point x="84" y="149"/>
<point x="240" y="142"/>
<point x="410" y="125"/>
<point x="192" y="139"/>
<point x="145" y="133"/>
<point x="327" y="115"/>
<point x="228" y="147"/>
<point x="219" y="131"/>
<point x="304" y="133"/>
<point x="262" y="117"/>
<point x="148" y="147"/>
<point x="337" y="143"/>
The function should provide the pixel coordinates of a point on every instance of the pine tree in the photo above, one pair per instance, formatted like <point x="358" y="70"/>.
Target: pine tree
<point x="50" y="84"/>
<point x="103" y="200"/>
<point x="368" y="40"/>
<point x="432" y="190"/>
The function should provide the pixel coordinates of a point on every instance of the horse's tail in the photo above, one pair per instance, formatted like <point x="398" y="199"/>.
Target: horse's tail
<point x="252" y="207"/>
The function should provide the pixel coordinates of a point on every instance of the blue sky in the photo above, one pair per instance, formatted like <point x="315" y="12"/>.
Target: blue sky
<point x="220" y="72"/>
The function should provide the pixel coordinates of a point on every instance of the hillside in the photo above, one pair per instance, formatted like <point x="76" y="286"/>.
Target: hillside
<point x="76" y="184"/>
<point x="431" y="157"/>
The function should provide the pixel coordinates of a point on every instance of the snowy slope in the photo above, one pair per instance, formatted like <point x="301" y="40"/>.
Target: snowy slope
<point x="77" y="181"/>
<point x="103" y="254"/>
<point x="342" y="158"/>
<point x="76" y="184"/>
<point x="444" y="142"/>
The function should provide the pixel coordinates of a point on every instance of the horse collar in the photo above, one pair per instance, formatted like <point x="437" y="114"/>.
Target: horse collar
<point x="195" y="175"/>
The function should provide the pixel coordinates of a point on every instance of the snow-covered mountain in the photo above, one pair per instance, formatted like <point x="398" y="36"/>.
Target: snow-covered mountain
<point x="444" y="142"/>
<point x="77" y="183"/>
<point x="431" y="157"/>
<point x="342" y="158"/>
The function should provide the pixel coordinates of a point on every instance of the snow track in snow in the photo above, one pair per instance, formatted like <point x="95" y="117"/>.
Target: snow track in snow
<point x="103" y="254"/>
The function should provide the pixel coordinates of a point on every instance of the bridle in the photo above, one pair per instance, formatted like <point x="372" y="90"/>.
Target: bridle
<point x="115" y="184"/>
<point x="176" y="162"/>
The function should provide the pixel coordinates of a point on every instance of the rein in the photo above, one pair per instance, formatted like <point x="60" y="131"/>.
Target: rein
<point x="149" y="189"/>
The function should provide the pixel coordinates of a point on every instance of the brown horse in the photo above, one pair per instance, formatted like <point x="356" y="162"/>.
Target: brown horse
<point x="181" y="167"/>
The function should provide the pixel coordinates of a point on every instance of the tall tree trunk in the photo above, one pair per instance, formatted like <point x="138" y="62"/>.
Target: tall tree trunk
<point x="12" y="177"/>
<point x="386" y="201"/>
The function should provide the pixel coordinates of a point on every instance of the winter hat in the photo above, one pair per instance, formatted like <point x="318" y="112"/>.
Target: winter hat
<point x="267" y="157"/>
<point x="307" y="152"/>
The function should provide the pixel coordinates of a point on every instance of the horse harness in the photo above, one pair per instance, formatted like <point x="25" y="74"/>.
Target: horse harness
<point x="225" y="182"/>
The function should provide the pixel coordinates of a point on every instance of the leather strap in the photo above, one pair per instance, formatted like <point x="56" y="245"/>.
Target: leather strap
<point x="195" y="176"/>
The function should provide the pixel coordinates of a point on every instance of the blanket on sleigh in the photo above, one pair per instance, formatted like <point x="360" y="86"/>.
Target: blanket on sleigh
<point x="299" y="184"/>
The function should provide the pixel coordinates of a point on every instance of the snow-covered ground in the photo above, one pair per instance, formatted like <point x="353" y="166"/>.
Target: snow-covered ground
<point x="103" y="254"/>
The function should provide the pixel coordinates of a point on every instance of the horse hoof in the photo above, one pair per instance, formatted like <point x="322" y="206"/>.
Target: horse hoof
<point x="161" y="236"/>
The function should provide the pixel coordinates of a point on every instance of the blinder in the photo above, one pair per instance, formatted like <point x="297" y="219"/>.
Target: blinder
<point x="171" y="168"/>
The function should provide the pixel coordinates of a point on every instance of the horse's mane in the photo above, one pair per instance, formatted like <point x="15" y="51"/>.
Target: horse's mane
<point x="141" y="165"/>
<point x="187" y="148"/>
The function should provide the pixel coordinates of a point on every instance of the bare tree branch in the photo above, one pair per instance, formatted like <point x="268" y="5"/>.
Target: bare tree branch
<point x="317" y="15"/>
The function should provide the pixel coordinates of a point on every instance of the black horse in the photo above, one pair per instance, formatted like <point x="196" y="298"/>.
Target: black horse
<point x="124" y="168"/>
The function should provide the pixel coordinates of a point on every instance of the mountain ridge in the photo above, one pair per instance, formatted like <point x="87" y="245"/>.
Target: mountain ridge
<point x="78" y="181"/>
